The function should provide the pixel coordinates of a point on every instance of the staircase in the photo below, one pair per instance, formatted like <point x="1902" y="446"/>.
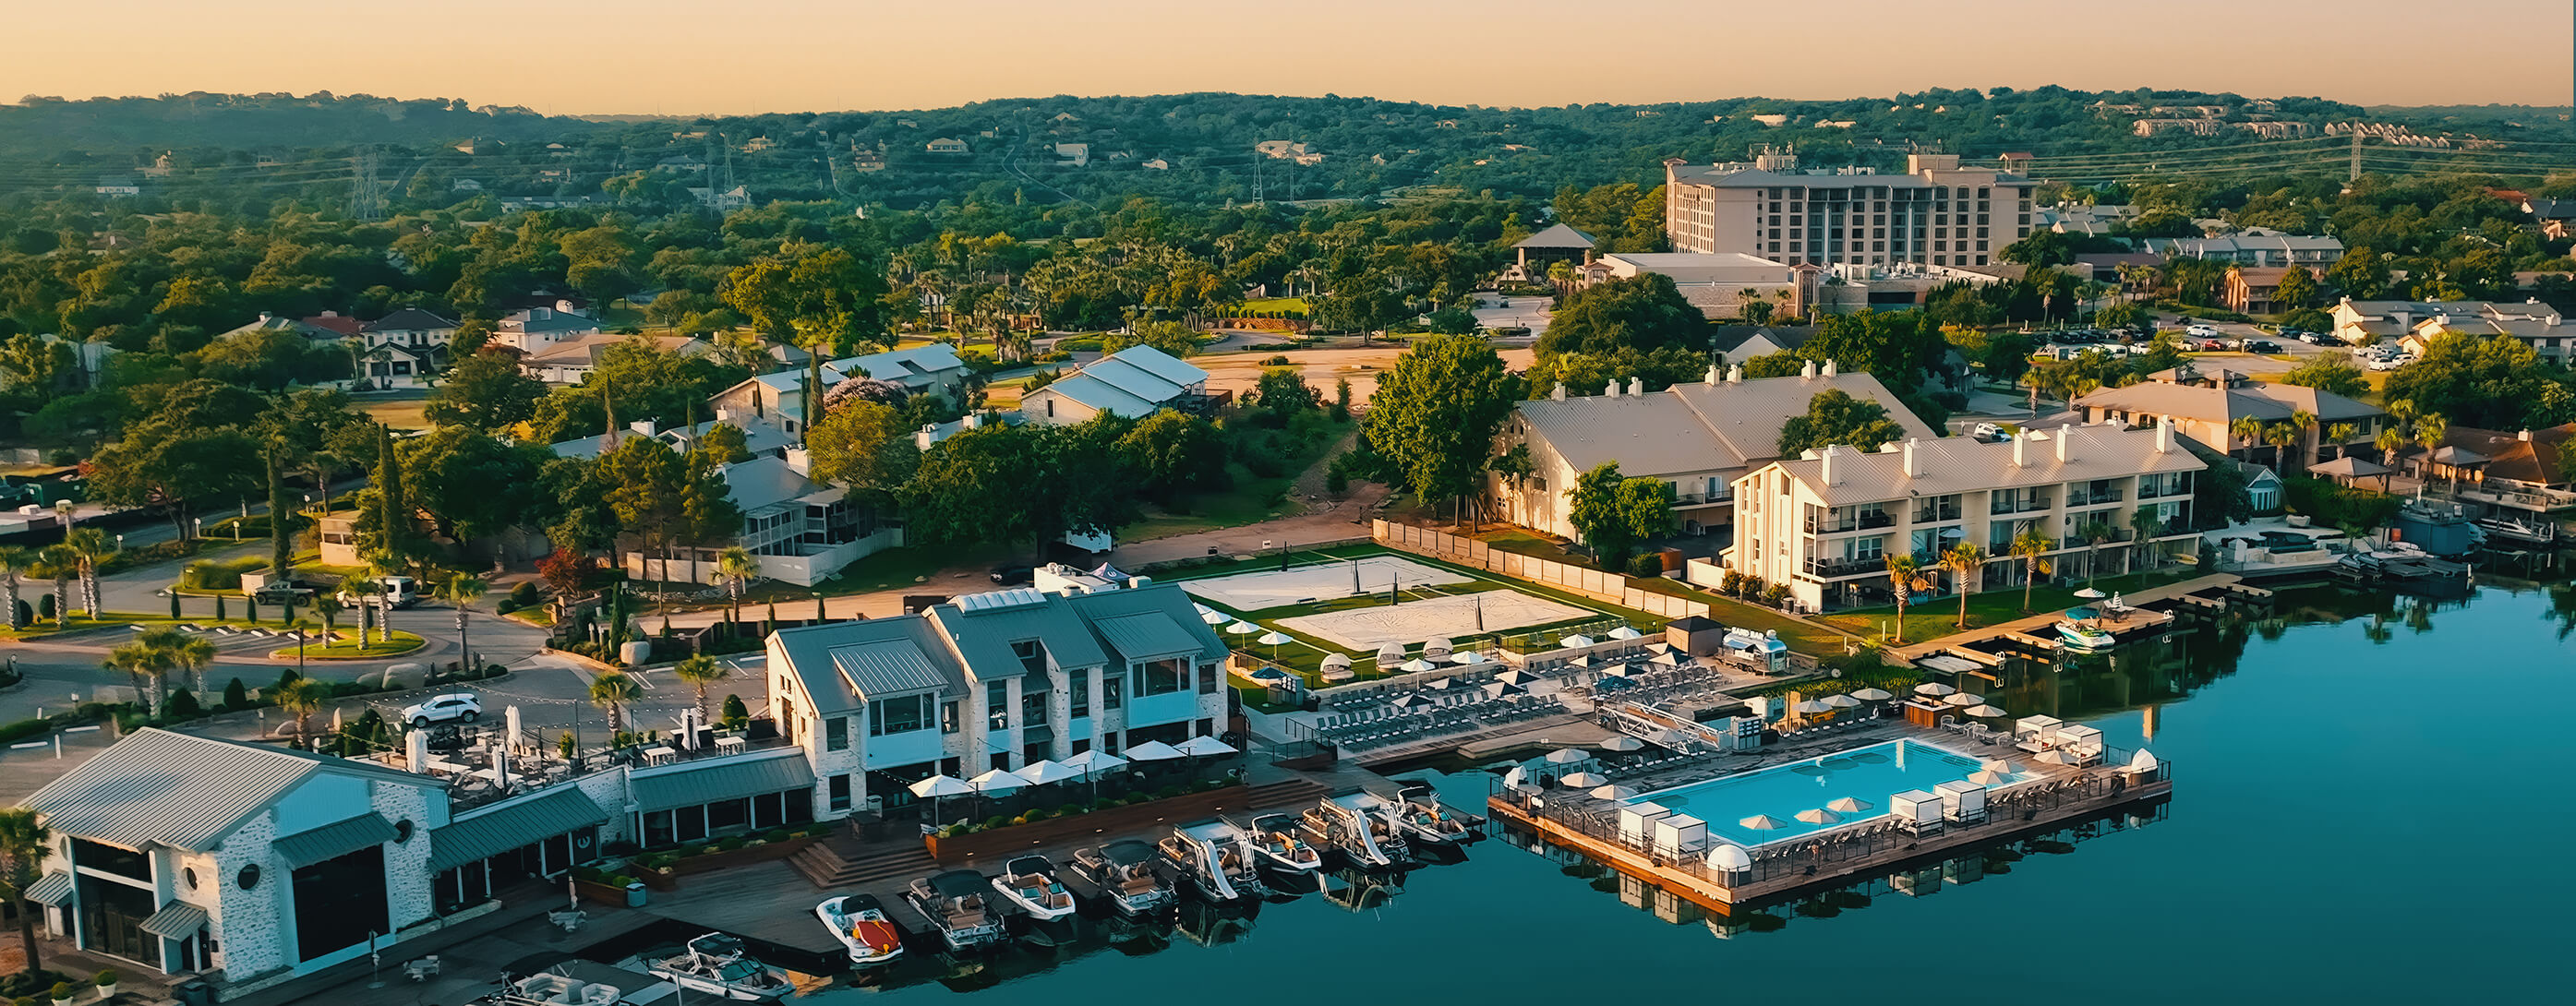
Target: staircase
<point x="842" y="862"/>
<point x="1296" y="793"/>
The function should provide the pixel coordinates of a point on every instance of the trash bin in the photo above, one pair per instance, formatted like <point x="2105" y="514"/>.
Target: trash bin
<point x="635" y="894"/>
<point x="193" y="992"/>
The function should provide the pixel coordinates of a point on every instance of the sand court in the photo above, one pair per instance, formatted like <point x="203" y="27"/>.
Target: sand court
<point x="1246" y="592"/>
<point x="1458" y="616"/>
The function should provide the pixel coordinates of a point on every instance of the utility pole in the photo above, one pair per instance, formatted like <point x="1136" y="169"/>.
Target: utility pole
<point x="1256" y="175"/>
<point x="2355" y="174"/>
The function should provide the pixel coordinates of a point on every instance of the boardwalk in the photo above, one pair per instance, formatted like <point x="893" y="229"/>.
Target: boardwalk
<point x="2038" y="625"/>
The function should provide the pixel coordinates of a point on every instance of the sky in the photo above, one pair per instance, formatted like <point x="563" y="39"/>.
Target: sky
<point x="744" y="56"/>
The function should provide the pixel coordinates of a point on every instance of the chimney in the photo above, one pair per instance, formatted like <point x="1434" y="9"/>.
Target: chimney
<point x="2524" y="436"/>
<point x="1636" y="387"/>
<point x="2164" y="435"/>
<point x="974" y="421"/>
<point x="1809" y="370"/>
<point x="1557" y="393"/>
<point x="2062" y="431"/>
<point x="1830" y="368"/>
<point x="1712" y="377"/>
<point x="2021" y="449"/>
<point x="1910" y="470"/>
<point x="1611" y="389"/>
<point x="1735" y="374"/>
<point x="1827" y="455"/>
<point x="643" y="426"/>
<point x="416" y="751"/>
<point x="927" y="435"/>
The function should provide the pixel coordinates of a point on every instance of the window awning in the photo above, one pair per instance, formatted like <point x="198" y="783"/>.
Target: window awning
<point x="54" y="889"/>
<point x="177" y="920"/>
<point x="504" y="826"/>
<point x="332" y="841"/>
<point x="689" y="784"/>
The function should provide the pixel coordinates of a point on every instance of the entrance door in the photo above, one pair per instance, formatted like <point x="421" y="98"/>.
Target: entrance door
<point x="111" y="920"/>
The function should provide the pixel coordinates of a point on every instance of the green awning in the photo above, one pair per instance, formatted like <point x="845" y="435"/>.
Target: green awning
<point x="689" y="784"/>
<point x="519" y="821"/>
<point x="177" y="920"/>
<point x="55" y="889"/>
<point x="332" y="841"/>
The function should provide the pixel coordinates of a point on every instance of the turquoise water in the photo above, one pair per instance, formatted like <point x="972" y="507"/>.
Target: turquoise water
<point x="2371" y="804"/>
<point x="1870" y="774"/>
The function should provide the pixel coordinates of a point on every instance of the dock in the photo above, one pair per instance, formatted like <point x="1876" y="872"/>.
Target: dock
<point x="2035" y="627"/>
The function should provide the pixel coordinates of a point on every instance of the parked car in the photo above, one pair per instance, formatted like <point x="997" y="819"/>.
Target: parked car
<point x="461" y="707"/>
<point x="2210" y="345"/>
<point x="1987" y="432"/>
<point x="2311" y="338"/>
<point x="282" y="592"/>
<point x="2202" y="332"/>
<point x="399" y="591"/>
<point x="2387" y="362"/>
<point x="1009" y="574"/>
<point x="2262" y="346"/>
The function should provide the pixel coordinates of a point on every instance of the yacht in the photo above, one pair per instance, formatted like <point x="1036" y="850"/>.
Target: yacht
<point x="1277" y="845"/>
<point x="1030" y="882"/>
<point x="1217" y="859"/>
<point x="1359" y="825"/>
<point x="1123" y="871"/>
<point x="860" y="922"/>
<point x="957" y="903"/>
<point x="1420" y="815"/>
<point x="715" y="964"/>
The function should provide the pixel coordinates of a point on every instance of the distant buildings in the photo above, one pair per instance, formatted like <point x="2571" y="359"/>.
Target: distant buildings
<point x="945" y="145"/>
<point x="1532" y="255"/>
<point x="2256" y="247"/>
<point x="2257" y="289"/>
<point x="780" y="397"/>
<point x="2361" y="322"/>
<point x="2206" y="405"/>
<point x="1937" y="213"/>
<point x="1134" y="382"/>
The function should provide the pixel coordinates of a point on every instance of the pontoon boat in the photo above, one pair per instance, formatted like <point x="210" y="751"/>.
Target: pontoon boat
<point x="1217" y="859"/>
<point x="860" y="922"/>
<point x="549" y="989"/>
<point x="1124" y="872"/>
<point x="957" y="903"/>
<point x="1359" y="826"/>
<point x="1419" y="813"/>
<point x="1276" y="844"/>
<point x="1030" y="882"/>
<point x="715" y="964"/>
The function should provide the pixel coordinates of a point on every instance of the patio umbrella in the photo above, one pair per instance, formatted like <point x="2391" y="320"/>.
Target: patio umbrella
<point x="941" y="785"/>
<point x="1996" y="765"/>
<point x="2091" y="594"/>
<point x="1575" y="640"/>
<point x="1840" y="701"/>
<point x="1153" y="751"/>
<point x="1203" y="610"/>
<point x="1819" y="816"/>
<point x="1094" y="762"/>
<point x="1763" y="822"/>
<point x="1611" y="792"/>
<point x="1667" y="738"/>
<point x="1582" y="780"/>
<point x="1963" y="699"/>
<point x="1273" y="639"/>
<point x="1811" y="706"/>
<point x="998" y="781"/>
<point x="1873" y="695"/>
<point x="1623" y="743"/>
<point x="1415" y="664"/>
<point x="1467" y="658"/>
<point x="1982" y="711"/>
<point x="1516" y="777"/>
<point x="1934" y="689"/>
<point x="1623" y="632"/>
<point x="1445" y="684"/>
<point x="1566" y="756"/>
<point x="1667" y="659"/>
<point x="1205" y="747"/>
<point x="2054" y="756"/>
<point x="2142" y="762"/>
<point x="1239" y="628"/>
<point x="1042" y="773"/>
<point x="1989" y="778"/>
<point x="1850" y="805"/>
<point x="1409" y="701"/>
<point x="1213" y="617"/>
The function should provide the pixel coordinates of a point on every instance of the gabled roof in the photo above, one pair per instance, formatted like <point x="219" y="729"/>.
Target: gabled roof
<point x="160" y="787"/>
<point x="812" y="654"/>
<point x="1100" y="395"/>
<point x="981" y="636"/>
<point x="1148" y="622"/>
<point x="2222" y="406"/>
<point x="1694" y="427"/>
<point x="2541" y="460"/>
<point x="1961" y="464"/>
<point x="892" y="667"/>
<point x="1132" y="379"/>
<point x="1556" y="236"/>
<point x="897" y="364"/>
<point x="764" y="481"/>
<point x="407" y="320"/>
<point x="1161" y="364"/>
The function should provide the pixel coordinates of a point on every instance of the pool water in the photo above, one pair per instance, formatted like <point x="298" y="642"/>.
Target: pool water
<point x="1870" y="774"/>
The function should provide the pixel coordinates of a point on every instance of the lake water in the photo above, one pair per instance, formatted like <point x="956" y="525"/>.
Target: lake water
<point x="2371" y="804"/>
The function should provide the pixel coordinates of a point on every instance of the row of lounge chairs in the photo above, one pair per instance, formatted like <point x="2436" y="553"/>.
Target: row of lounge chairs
<point x="1380" y="731"/>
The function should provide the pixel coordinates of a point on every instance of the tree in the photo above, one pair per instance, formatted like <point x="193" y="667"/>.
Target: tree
<point x="301" y="698"/>
<point x="825" y="301"/>
<point x="282" y="517"/>
<point x="2341" y="435"/>
<point x="1362" y="302"/>
<point x="1835" y="417"/>
<point x="2331" y="372"/>
<point x="2304" y="423"/>
<point x="24" y="844"/>
<point x="699" y="671"/>
<point x="141" y="661"/>
<point x="1282" y="394"/>
<point x="648" y="488"/>
<point x="1902" y="568"/>
<point x="15" y="562"/>
<point x="736" y="567"/>
<point x="92" y="546"/>
<point x="2298" y="289"/>
<point x="865" y="446"/>
<point x="2497" y="383"/>
<point x="1785" y="363"/>
<point x="189" y="653"/>
<point x="462" y="590"/>
<point x="2095" y="531"/>
<point x="485" y="391"/>
<point x="1897" y="347"/>
<point x="394" y="512"/>
<point x="1021" y="483"/>
<point x="1436" y="412"/>
<point x="2030" y="547"/>
<point x="2361" y="273"/>
<point x="1613" y="512"/>
<point x="1752" y="308"/>
<point x="2007" y="357"/>
<point x="169" y="466"/>
<point x="1964" y="560"/>
<point x="2248" y="429"/>
<point x="726" y="443"/>
<point x="1452" y="321"/>
<point x="2042" y="249"/>
<point x="1173" y="338"/>
<point x="474" y="485"/>
<point x="611" y="691"/>
<point x="1644" y="312"/>
<point x="1173" y="454"/>
<point x="62" y="564"/>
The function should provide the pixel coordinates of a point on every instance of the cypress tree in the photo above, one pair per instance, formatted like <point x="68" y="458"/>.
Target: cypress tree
<point x="389" y="493"/>
<point x="281" y="550"/>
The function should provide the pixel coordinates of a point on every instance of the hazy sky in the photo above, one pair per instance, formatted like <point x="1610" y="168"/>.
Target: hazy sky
<point x="730" y="56"/>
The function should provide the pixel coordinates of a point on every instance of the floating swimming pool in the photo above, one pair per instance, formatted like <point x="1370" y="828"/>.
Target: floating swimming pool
<point x="1868" y="774"/>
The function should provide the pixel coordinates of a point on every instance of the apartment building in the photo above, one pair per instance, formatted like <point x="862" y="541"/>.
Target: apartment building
<point x="993" y="680"/>
<point x="1824" y="524"/>
<point x="1936" y="213"/>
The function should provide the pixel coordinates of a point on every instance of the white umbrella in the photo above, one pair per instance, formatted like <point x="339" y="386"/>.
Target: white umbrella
<point x="1409" y="701"/>
<point x="1962" y="699"/>
<point x="1153" y="751"/>
<point x="1667" y="738"/>
<point x="1989" y="778"/>
<point x="1445" y="684"/>
<point x="1566" y="756"/>
<point x="1205" y="747"/>
<point x="1515" y="676"/>
<point x="1667" y="658"/>
<point x="1467" y="658"/>
<point x="1415" y="664"/>
<point x="1996" y="765"/>
<point x="1873" y="695"/>
<point x="1623" y="742"/>
<point x="1850" y="805"/>
<point x="2054" y="756"/>
<point x="1763" y="822"/>
<point x="1094" y="761"/>
<point x="1213" y="617"/>
<point x="1623" y="632"/>
<point x="1982" y="712"/>
<point x="1811" y="706"/>
<point x="1934" y="689"/>
<point x="1239" y="628"/>
<point x="942" y="785"/>
<point x="998" y="781"/>
<point x="1515" y="777"/>
<point x="1041" y="773"/>
<point x="1611" y="792"/>
<point x="1841" y="701"/>
<point x="2090" y="594"/>
<point x="1202" y="609"/>
<point x="1581" y="780"/>
<point x="1273" y="639"/>
<point x="1573" y="641"/>
<point x="1819" y="816"/>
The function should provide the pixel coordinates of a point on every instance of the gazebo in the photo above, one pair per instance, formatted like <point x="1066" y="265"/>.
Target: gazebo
<point x="2347" y="468"/>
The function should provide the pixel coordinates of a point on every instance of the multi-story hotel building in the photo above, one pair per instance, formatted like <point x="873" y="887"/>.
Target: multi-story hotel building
<point x="1936" y="213"/>
<point x="1825" y="524"/>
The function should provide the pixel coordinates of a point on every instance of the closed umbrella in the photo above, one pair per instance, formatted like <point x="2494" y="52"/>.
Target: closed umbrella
<point x="1983" y="712"/>
<point x="1611" y="792"/>
<point x="1841" y="701"/>
<point x="1580" y="780"/>
<point x="1763" y="822"/>
<point x="1850" y="805"/>
<point x="1515" y="777"/>
<point x="2142" y="761"/>
<point x="1153" y="751"/>
<point x="1623" y="743"/>
<point x="1819" y="816"/>
<point x="1933" y="689"/>
<point x="1873" y="695"/>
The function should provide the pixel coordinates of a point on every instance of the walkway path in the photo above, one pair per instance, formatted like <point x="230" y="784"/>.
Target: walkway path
<point x="2037" y="624"/>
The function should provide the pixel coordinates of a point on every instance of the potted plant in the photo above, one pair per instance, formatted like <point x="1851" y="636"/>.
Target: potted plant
<point x="106" y="982"/>
<point x="62" y="994"/>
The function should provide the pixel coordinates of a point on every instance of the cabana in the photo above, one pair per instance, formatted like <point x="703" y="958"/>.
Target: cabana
<point x="2082" y="741"/>
<point x="2036" y="733"/>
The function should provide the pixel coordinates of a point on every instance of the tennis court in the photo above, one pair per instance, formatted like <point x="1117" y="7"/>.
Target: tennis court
<point x="1249" y="592"/>
<point x="1456" y="616"/>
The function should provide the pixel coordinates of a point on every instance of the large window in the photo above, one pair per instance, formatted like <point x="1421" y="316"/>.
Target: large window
<point x="1081" y="689"/>
<point x="339" y="902"/>
<point x="836" y="733"/>
<point x="899" y="715"/>
<point x="997" y="704"/>
<point x="1207" y="679"/>
<point x="110" y="859"/>
<point x="1112" y="689"/>
<point x="1161" y="677"/>
<point x="840" y="792"/>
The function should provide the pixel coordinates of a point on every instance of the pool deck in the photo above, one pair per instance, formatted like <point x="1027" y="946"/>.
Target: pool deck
<point x="1723" y="899"/>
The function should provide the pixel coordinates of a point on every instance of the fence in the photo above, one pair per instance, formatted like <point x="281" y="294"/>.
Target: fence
<point x="1597" y="584"/>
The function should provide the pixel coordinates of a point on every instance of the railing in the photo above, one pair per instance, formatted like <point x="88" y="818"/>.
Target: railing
<point x="1931" y="515"/>
<point x="1697" y="499"/>
<point x="2006" y="504"/>
<point x="1846" y="567"/>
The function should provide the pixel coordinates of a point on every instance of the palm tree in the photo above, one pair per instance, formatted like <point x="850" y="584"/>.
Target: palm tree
<point x="93" y="546"/>
<point x="2390" y="441"/>
<point x="736" y="567"/>
<point x="611" y="691"/>
<point x="15" y="560"/>
<point x="1901" y="570"/>
<point x="2342" y="434"/>
<point x="2096" y="531"/>
<point x="2248" y="429"/>
<point x="1964" y="560"/>
<point x="2029" y="546"/>
<point x="2430" y="428"/>
<point x="188" y="652"/>
<point x="462" y="590"/>
<point x="2281" y="436"/>
<point x="2304" y="422"/>
<point x="24" y="844"/>
<point x="61" y="562"/>
<point x="700" y="671"/>
<point x="328" y="607"/>
<point x="303" y="697"/>
<point x="139" y="661"/>
<point x="2143" y="525"/>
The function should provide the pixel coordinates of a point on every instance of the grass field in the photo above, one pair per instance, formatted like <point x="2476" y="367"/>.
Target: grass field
<point x="348" y="649"/>
<point x="399" y="413"/>
<point x="1926" y="622"/>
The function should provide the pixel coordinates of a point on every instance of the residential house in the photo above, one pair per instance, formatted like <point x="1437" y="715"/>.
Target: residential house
<point x="2206" y="405"/>
<point x="734" y="198"/>
<point x="2552" y="216"/>
<point x="534" y="329"/>
<point x="802" y="531"/>
<point x="2089" y="220"/>
<point x="118" y="187"/>
<point x="1134" y="382"/>
<point x="2525" y="470"/>
<point x="332" y="326"/>
<point x="1699" y="437"/>
<point x="1073" y="155"/>
<point x="337" y="328"/>
<point x="395" y="365"/>
<point x="945" y="145"/>
<point x="777" y="397"/>
<point x="2536" y="325"/>
<point x="928" y="369"/>
<point x="932" y="433"/>
<point x="2362" y="322"/>
<point x="570" y="361"/>
<point x="1156" y="164"/>
<point x="2262" y="487"/>
<point x="762" y="439"/>
<point x="411" y="327"/>
<point x="1738" y="343"/>
<point x="995" y="680"/>
<point x="2257" y="289"/>
<point x="2257" y="247"/>
<point x="1824" y="524"/>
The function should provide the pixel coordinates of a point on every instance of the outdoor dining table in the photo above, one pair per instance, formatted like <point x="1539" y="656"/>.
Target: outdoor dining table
<point x="730" y="745"/>
<point x="659" y="755"/>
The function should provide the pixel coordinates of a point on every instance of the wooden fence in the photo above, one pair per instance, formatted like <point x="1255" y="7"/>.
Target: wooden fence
<point x="1599" y="585"/>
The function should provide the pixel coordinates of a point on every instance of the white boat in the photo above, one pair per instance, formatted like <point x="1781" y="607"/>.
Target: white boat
<point x="1030" y="882"/>
<point x="957" y="905"/>
<point x="1359" y="825"/>
<point x="860" y="922"/>
<point x="2085" y="637"/>
<point x="1123" y="871"/>
<point x="554" y="990"/>
<point x="1275" y="844"/>
<point x="715" y="964"/>
<point x="1216" y="857"/>
<point x="1420" y="814"/>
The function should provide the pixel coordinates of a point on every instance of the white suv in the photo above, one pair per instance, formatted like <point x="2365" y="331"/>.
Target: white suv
<point x="462" y="706"/>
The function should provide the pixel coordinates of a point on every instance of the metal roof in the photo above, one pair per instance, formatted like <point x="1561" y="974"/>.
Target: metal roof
<point x="501" y="827"/>
<point x="981" y="636"/>
<point x="1133" y="379"/>
<point x="54" y="889"/>
<point x="810" y="654"/>
<point x="1146" y="635"/>
<point x="1694" y="427"/>
<point x="691" y="783"/>
<point x="177" y="920"/>
<point x="887" y="667"/>
<point x="1161" y="364"/>
<point x="1556" y="236"/>
<point x="1164" y="600"/>
<point x="157" y="787"/>
<point x="1959" y="464"/>
<point x="1100" y="396"/>
<point x="332" y="841"/>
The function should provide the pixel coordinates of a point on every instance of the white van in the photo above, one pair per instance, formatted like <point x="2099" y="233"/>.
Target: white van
<point x="398" y="591"/>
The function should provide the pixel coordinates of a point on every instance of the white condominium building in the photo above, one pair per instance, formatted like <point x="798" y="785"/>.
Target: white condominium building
<point x="1937" y="213"/>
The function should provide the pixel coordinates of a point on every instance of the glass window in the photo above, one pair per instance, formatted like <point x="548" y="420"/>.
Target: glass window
<point x="1207" y="679"/>
<point x="841" y="792"/>
<point x="1080" y="685"/>
<point x="1111" y="687"/>
<point x="1161" y="677"/>
<point x="997" y="704"/>
<point x="948" y="717"/>
<point x="836" y="733"/>
<point x="900" y="715"/>
<point x="110" y="859"/>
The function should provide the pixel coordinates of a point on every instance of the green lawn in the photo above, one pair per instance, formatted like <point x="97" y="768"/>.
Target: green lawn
<point x="43" y="627"/>
<point x="348" y="649"/>
<point x="1991" y="607"/>
<point x="911" y="565"/>
<point x="1294" y="304"/>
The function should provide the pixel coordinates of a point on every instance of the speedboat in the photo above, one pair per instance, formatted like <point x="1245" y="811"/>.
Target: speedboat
<point x="956" y="903"/>
<point x="2084" y="637"/>
<point x="1275" y="844"/>
<point x="1420" y="815"/>
<point x="860" y="922"/>
<point x="1123" y="871"/>
<point x="1216" y="857"/>
<point x="715" y="964"/>
<point x="550" y="989"/>
<point x="1359" y="826"/>
<point x="1030" y="882"/>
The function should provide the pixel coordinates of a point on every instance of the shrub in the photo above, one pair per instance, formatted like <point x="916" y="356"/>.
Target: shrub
<point x="1776" y="595"/>
<point x="45" y="607"/>
<point x="1648" y="565"/>
<point x="1169" y="791"/>
<point x="62" y="991"/>
<point x="996" y="821"/>
<point x="210" y="574"/>
<point x="182" y="705"/>
<point x="525" y="595"/>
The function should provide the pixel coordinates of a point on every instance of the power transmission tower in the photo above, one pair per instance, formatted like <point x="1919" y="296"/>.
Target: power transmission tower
<point x="366" y="198"/>
<point x="1256" y="176"/>
<point x="2355" y="174"/>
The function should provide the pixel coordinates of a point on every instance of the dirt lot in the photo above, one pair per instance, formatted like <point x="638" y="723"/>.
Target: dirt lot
<point x="1236" y="372"/>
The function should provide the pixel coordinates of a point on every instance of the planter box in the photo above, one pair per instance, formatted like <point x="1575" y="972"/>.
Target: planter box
<point x="600" y="894"/>
<point x="1016" y="838"/>
<point x="713" y="861"/>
